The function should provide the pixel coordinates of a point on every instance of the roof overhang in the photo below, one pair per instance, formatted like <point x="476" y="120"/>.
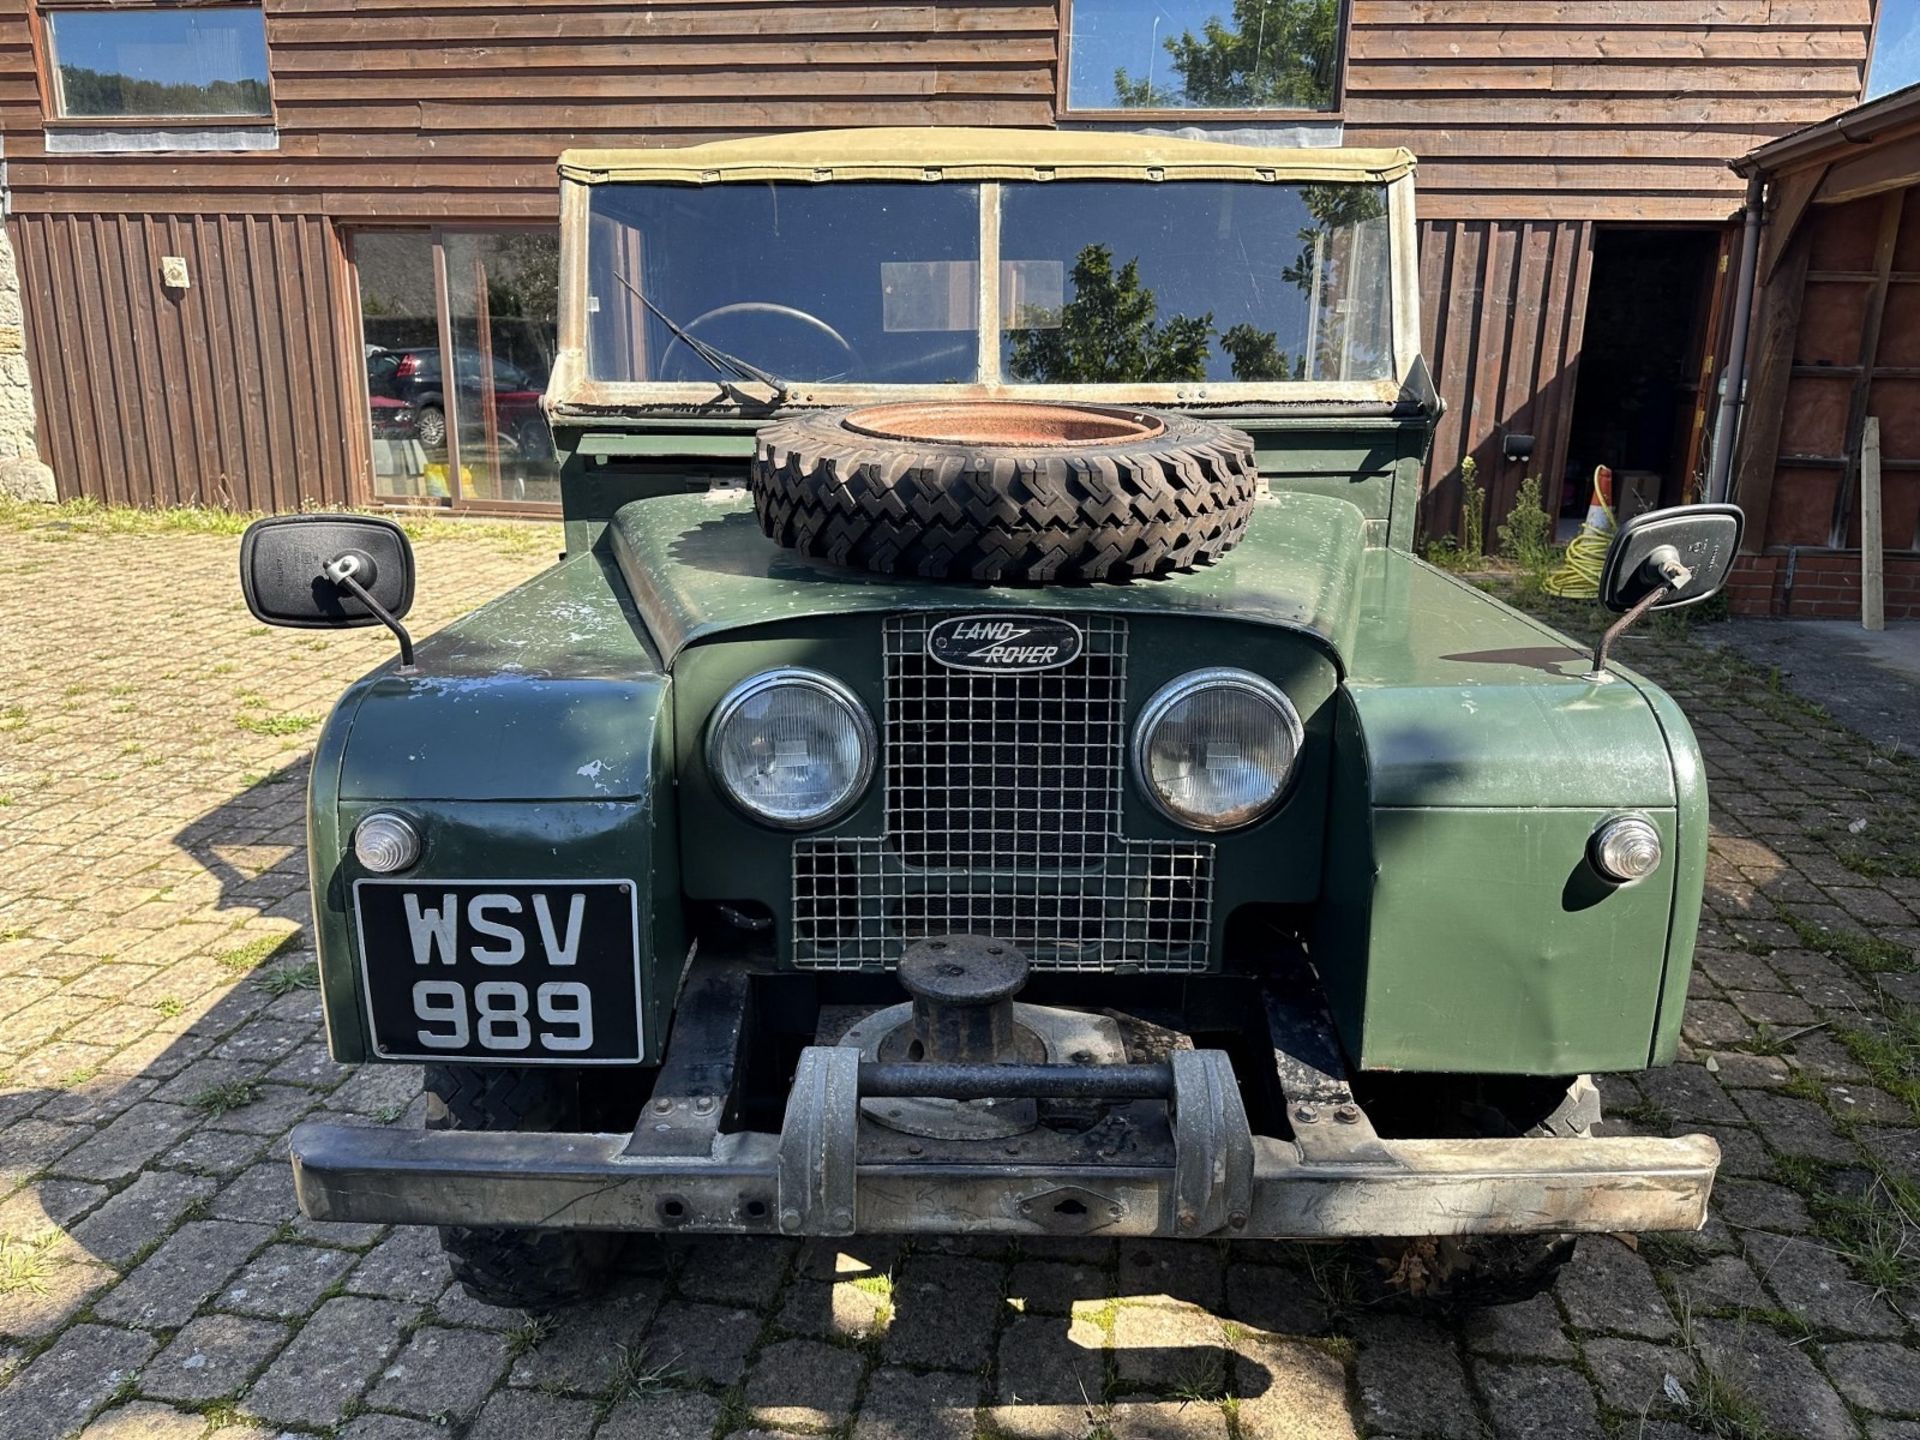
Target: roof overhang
<point x="958" y="153"/>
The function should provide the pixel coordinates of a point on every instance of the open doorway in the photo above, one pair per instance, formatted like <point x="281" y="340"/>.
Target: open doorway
<point x="1643" y="398"/>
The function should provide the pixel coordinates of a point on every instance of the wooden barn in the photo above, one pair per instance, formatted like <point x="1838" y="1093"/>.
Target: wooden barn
<point x="1837" y="329"/>
<point x="255" y="239"/>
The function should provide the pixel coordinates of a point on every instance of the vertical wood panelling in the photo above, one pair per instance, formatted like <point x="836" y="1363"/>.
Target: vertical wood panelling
<point x="1505" y="310"/>
<point x="232" y="392"/>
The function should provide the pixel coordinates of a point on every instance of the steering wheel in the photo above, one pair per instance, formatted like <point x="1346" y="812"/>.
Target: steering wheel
<point x="765" y="307"/>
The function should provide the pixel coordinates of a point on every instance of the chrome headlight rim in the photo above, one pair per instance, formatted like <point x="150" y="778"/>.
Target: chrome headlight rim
<point x="1183" y="687"/>
<point x="795" y="675"/>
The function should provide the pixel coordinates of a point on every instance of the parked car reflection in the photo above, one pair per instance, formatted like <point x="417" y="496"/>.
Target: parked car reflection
<point x="415" y="376"/>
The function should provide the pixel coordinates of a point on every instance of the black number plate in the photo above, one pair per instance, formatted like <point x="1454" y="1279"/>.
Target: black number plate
<point x="500" y="970"/>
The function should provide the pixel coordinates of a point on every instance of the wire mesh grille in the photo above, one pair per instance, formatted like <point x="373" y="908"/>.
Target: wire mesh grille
<point x="1004" y="818"/>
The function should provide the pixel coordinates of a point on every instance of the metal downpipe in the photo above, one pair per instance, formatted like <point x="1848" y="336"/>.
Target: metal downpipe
<point x="1734" y="382"/>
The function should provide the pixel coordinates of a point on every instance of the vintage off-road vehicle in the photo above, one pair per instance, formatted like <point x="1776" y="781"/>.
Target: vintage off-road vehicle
<point x="989" y="759"/>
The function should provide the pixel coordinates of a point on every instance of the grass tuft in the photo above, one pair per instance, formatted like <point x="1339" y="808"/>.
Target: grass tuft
<point x="278" y="980"/>
<point x="232" y="1095"/>
<point x="24" y="1264"/>
<point x="276" y="724"/>
<point x="254" y="953"/>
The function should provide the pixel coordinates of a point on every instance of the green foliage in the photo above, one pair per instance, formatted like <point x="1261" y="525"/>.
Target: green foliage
<point x="102" y="92"/>
<point x="233" y="1095"/>
<point x="276" y="724"/>
<point x="281" y="980"/>
<point x="1527" y="537"/>
<point x="1473" y="510"/>
<point x="1110" y="332"/>
<point x="1273" y="55"/>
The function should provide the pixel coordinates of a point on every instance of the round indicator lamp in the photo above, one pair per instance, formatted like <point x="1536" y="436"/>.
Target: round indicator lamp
<point x="1626" y="848"/>
<point x="384" y="843"/>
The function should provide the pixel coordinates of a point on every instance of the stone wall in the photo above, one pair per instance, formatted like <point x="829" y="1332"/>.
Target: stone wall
<point x="22" y="475"/>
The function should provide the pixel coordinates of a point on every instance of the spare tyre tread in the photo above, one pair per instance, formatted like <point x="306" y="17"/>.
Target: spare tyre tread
<point x="1179" y="499"/>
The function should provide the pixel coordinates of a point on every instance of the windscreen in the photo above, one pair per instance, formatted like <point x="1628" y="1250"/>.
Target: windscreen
<point x="1100" y="282"/>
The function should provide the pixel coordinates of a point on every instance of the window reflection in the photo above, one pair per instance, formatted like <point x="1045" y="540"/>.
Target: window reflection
<point x="1203" y="54"/>
<point x="157" y="64"/>
<point x="484" y="408"/>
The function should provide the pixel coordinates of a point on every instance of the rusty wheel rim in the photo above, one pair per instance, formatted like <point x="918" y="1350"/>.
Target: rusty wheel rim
<point x="1010" y="423"/>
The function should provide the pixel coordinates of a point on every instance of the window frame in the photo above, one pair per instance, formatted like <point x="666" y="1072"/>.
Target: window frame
<point x="1065" y="108"/>
<point x="46" y="71"/>
<point x="571" y="388"/>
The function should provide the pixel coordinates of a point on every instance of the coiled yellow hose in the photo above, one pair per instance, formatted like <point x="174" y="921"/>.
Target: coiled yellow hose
<point x="1578" y="577"/>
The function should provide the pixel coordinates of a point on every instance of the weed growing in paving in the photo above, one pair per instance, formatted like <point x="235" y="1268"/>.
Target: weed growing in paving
<point x="525" y="1339"/>
<point x="276" y="724"/>
<point x="24" y="1264"/>
<point x="285" y="979"/>
<point x="254" y="953"/>
<point x="168" y="1006"/>
<point x="1891" y="1057"/>
<point x="233" y="1095"/>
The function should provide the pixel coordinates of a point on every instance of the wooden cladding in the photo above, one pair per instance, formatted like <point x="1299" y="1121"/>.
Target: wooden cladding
<point x="230" y="392"/>
<point x="1503" y="309"/>
<point x="1594" y="109"/>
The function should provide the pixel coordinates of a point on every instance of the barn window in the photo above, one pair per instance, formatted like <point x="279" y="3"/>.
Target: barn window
<point x="1153" y="57"/>
<point x="158" y="64"/>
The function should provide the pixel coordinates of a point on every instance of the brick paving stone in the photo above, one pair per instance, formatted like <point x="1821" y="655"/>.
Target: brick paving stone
<point x="905" y="1405"/>
<point x="1721" y="1283"/>
<point x="60" y="1388"/>
<point x="944" y="1313"/>
<point x="48" y="1206"/>
<point x="1755" y="1205"/>
<point x="64" y="1285"/>
<point x="1286" y="1389"/>
<point x="1172" y="1270"/>
<point x="686" y="1415"/>
<point x="329" y="1363"/>
<point x="1690" y="1093"/>
<point x="1524" y="1330"/>
<point x="1632" y="1374"/>
<point x="1885" y="1378"/>
<point x="702" y="1342"/>
<point x="1411" y="1381"/>
<point x="150" y="1206"/>
<point x="1276" y="1298"/>
<point x="1056" y="1286"/>
<point x="285" y="1281"/>
<point x="212" y="1356"/>
<point x="1606" y="1286"/>
<point x="586" y="1346"/>
<point x="1167" y="1420"/>
<point x="1796" y="1127"/>
<point x="388" y="1427"/>
<point x="441" y="1374"/>
<point x="804" y="1383"/>
<point x="1051" y="1369"/>
<point x="127" y="1143"/>
<point x="1775" y="1377"/>
<point x="144" y="1420"/>
<point x="523" y="1415"/>
<point x="1526" y="1401"/>
<point x="408" y="1265"/>
<point x="1159" y="1347"/>
<point x="1814" y="1283"/>
<point x="1715" y="1022"/>
<point x="166" y="1288"/>
<point x="734" y="1270"/>
<point x="29" y="1146"/>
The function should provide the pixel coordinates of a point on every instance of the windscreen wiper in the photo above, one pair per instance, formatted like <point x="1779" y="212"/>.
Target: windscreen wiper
<point x="719" y="359"/>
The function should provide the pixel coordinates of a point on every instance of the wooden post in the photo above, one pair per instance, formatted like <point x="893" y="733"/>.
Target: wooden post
<point x="1873" y="595"/>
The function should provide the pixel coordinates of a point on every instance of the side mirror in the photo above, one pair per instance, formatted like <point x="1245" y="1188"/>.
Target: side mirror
<point x="1663" y="560"/>
<point x="1687" y="551"/>
<point x="329" y="572"/>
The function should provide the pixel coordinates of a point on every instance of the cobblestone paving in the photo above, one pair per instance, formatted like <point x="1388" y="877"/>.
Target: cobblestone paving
<point x="159" y="1035"/>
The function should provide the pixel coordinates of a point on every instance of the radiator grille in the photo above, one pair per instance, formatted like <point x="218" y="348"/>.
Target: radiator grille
<point x="1003" y="809"/>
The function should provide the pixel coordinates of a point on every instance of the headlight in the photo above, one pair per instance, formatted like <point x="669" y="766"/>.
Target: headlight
<point x="792" y="748"/>
<point x="1214" y="749"/>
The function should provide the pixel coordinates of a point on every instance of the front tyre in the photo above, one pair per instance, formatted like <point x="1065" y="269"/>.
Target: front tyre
<point x="526" y="1269"/>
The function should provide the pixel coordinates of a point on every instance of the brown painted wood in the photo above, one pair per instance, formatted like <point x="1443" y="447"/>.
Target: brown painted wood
<point x="1769" y="376"/>
<point x="1885" y="242"/>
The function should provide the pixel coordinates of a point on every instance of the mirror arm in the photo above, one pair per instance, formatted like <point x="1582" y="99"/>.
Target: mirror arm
<point x="341" y="571"/>
<point x="1613" y="632"/>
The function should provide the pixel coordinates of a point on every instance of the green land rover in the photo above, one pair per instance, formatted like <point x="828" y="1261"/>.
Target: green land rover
<point x="989" y="759"/>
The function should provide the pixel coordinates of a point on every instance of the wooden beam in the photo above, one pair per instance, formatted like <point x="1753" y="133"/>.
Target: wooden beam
<point x="1791" y="199"/>
<point x="1873" y="560"/>
<point x="1890" y="211"/>
<point x="1893" y="165"/>
<point x="1769" y="373"/>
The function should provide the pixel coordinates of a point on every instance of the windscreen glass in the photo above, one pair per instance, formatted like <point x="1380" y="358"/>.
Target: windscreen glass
<point x="1100" y="283"/>
<point x="830" y="283"/>
<point x="1119" y="282"/>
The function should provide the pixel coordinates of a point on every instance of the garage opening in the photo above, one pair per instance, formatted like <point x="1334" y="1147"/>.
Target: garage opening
<point x="1644" y="400"/>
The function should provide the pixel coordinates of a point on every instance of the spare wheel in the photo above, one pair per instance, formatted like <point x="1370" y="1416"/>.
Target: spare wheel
<point x="1004" y="491"/>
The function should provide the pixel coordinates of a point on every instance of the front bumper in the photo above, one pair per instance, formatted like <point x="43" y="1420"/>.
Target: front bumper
<point x="1192" y="1169"/>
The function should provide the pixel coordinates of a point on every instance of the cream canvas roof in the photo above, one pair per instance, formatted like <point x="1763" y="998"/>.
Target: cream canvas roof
<point x="955" y="153"/>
